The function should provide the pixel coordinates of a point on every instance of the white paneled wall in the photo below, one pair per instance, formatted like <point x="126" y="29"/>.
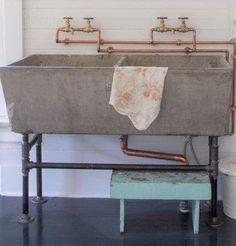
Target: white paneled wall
<point x="10" y="39"/>
<point x="123" y="19"/>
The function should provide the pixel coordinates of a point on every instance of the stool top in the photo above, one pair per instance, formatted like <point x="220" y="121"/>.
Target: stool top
<point x="159" y="177"/>
<point x="228" y="166"/>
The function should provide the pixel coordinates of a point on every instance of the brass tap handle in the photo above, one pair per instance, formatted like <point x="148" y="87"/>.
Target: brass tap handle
<point x="183" y="27"/>
<point x="67" y="27"/>
<point x="89" y="27"/>
<point x="183" y="18"/>
<point x="162" y="26"/>
<point x="67" y="18"/>
<point x="88" y="18"/>
<point x="89" y="21"/>
<point x="162" y="18"/>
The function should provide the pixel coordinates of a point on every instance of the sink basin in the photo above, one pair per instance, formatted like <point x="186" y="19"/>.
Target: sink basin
<point x="70" y="94"/>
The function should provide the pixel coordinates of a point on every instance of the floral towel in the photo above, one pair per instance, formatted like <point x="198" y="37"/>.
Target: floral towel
<point x="137" y="93"/>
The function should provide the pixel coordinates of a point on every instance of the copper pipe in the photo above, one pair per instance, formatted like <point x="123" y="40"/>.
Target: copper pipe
<point x="233" y="92"/>
<point x="136" y="42"/>
<point x="57" y="35"/>
<point x="186" y="50"/>
<point x="150" y="154"/>
<point x="164" y="42"/>
<point x="71" y="41"/>
<point x="155" y="30"/>
<point x="113" y="50"/>
<point x="177" y="42"/>
<point x="194" y="39"/>
<point x="98" y="41"/>
<point x="227" y="53"/>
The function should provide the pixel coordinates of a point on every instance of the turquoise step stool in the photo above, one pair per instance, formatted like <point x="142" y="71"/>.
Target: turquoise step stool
<point x="161" y="185"/>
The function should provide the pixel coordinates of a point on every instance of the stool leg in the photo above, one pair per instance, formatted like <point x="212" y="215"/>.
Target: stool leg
<point x="195" y="215"/>
<point x="122" y="216"/>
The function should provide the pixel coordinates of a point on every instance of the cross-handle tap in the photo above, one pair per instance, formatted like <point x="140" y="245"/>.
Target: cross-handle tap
<point x="67" y="27"/>
<point x="183" y="26"/>
<point x="162" y="26"/>
<point x="88" y="27"/>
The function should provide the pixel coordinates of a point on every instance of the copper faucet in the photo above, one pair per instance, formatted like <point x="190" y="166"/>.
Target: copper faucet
<point x="88" y="27"/>
<point x="184" y="28"/>
<point x="161" y="28"/>
<point x="67" y="28"/>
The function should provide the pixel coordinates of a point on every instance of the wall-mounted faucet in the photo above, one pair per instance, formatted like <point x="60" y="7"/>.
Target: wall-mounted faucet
<point x="183" y="26"/>
<point x="67" y="27"/>
<point x="162" y="28"/>
<point x="87" y="29"/>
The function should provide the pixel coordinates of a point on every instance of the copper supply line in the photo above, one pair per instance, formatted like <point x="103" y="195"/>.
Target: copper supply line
<point x="233" y="107"/>
<point x="83" y="41"/>
<point x="186" y="50"/>
<point x="150" y="154"/>
<point x="177" y="42"/>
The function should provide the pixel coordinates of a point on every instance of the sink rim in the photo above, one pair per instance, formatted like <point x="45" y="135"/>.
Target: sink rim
<point x="14" y="65"/>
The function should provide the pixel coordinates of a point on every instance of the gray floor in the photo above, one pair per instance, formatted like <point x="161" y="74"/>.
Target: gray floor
<point x="95" y="222"/>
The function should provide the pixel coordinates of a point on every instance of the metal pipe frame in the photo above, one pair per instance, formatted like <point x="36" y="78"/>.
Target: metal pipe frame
<point x="33" y="141"/>
<point x="214" y="220"/>
<point x="25" y="217"/>
<point x="121" y="167"/>
<point x="39" y="199"/>
<point x="27" y="165"/>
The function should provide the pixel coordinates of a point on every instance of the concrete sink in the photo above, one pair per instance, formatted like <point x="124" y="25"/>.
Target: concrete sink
<point x="70" y="94"/>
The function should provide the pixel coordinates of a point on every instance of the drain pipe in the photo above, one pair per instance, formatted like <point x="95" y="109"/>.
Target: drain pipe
<point x="150" y="154"/>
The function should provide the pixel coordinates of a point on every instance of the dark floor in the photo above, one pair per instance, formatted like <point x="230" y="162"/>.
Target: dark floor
<point x="95" y="222"/>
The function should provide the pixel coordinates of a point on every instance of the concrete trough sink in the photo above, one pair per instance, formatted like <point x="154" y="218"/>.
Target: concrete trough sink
<point x="70" y="94"/>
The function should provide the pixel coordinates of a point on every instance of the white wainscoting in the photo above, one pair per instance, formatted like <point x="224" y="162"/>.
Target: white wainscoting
<point x="124" y="19"/>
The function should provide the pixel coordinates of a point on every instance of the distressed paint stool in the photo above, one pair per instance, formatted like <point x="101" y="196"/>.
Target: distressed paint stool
<point x="161" y="185"/>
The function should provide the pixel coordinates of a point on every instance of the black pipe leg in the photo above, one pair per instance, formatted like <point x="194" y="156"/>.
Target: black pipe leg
<point x="25" y="217"/>
<point x="214" y="220"/>
<point x="39" y="199"/>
